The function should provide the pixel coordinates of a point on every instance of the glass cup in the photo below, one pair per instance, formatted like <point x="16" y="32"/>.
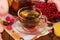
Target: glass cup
<point x="31" y="24"/>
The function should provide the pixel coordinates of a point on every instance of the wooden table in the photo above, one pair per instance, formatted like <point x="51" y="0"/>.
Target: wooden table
<point x="8" y="36"/>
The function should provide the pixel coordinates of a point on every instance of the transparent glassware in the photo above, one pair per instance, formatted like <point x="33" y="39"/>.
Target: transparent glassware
<point x="35" y="24"/>
<point x="29" y="23"/>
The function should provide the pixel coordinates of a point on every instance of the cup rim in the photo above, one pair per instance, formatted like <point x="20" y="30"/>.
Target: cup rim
<point x="27" y="7"/>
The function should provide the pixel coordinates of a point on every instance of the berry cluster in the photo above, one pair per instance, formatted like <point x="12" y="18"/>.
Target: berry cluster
<point x="49" y="9"/>
<point x="10" y="21"/>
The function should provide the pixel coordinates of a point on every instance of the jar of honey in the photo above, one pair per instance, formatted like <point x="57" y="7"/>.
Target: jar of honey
<point x="15" y="5"/>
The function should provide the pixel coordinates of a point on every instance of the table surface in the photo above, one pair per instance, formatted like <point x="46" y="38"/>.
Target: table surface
<point x="8" y="36"/>
<point x="13" y="34"/>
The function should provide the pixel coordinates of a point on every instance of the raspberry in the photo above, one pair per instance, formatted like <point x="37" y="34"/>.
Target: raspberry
<point x="9" y="27"/>
<point x="7" y="18"/>
<point x="11" y="21"/>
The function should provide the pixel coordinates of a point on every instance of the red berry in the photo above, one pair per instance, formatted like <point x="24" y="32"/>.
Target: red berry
<point x="49" y="10"/>
<point x="8" y="18"/>
<point x="12" y="21"/>
<point x="9" y="27"/>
